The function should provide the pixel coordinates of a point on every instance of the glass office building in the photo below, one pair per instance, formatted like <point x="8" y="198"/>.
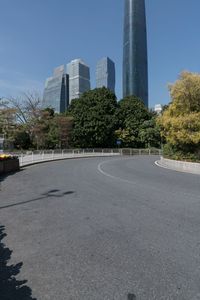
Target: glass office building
<point x="135" y="69"/>
<point x="105" y="74"/>
<point x="79" y="78"/>
<point x="56" y="92"/>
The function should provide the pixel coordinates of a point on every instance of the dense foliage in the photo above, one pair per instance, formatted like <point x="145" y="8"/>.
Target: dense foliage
<point x="95" y="120"/>
<point x="26" y="126"/>
<point x="136" y="125"/>
<point x="180" y="122"/>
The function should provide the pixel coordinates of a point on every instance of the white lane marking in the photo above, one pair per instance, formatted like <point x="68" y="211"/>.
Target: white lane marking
<point x="155" y="189"/>
<point x="111" y="176"/>
<point x="164" y="167"/>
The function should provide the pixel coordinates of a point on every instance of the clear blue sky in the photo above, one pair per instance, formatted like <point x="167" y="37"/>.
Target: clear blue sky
<point x="38" y="35"/>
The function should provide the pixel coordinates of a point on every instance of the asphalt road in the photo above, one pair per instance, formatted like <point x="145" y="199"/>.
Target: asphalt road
<point x="101" y="229"/>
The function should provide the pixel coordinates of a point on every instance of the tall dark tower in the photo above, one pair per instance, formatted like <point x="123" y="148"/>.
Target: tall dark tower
<point x="135" y="66"/>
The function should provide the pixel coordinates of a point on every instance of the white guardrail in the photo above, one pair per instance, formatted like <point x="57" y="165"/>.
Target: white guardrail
<point x="32" y="157"/>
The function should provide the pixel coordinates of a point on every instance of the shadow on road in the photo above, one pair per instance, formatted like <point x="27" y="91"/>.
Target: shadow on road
<point x="131" y="297"/>
<point x="50" y="194"/>
<point x="4" y="176"/>
<point x="10" y="287"/>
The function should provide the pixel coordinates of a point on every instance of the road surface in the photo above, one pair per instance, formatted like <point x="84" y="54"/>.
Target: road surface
<point x="103" y="229"/>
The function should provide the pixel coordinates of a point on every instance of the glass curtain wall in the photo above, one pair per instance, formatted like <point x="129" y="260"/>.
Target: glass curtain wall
<point x="56" y="92"/>
<point x="105" y="74"/>
<point x="79" y="78"/>
<point x="135" y="69"/>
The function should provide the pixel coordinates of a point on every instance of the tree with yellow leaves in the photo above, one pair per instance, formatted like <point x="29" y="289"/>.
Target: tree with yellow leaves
<point x="180" y="122"/>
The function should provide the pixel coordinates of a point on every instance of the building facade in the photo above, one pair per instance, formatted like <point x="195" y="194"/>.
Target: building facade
<point x="105" y="74"/>
<point x="158" y="108"/>
<point x="56" y="91"/>
<point x="79" y="78"/>
<point x="135" y="66"/>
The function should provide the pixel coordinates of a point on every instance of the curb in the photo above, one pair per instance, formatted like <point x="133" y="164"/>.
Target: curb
<point x="179" y="166"/>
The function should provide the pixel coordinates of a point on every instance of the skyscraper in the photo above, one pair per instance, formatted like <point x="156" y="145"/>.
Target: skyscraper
<point x="135" y="69"/>
<point x="79" y="78"/>
<point x="56" y="92"/>
<point x="105" y="74"/>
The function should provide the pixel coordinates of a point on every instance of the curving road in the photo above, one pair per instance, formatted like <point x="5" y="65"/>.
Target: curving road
<point x="104" y="229"/>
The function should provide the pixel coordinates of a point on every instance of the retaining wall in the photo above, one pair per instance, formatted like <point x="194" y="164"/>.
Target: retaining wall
<point x="183" y="166"/>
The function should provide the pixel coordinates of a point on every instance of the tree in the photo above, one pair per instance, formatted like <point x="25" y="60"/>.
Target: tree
<point x="52" y="130"/>
<point x="130" y="115"/>
<point x="21" y="138"/>
<point x="27" y="125"/>
<point x="180" y="122"/>
<point x="8" y="125"/>
<point x="185" y="94"/>
<point x="149" y="133"/>
<point x="27" y="106"/>
<point x="26" y="112"/>
<point x="94" y="118"/>
<point x="65" y="126"/>
<point x="44" y="131"/>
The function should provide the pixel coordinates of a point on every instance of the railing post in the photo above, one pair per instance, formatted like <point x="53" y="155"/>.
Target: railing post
<point x="52" y="154"/>
<point x="62" y="153"/>
<point x="21" y="158"/>
<point x="43" y="155"/>
<point x="140" y="151"/>
<point x="32" y="156"/>
<point x="149" y="151"/>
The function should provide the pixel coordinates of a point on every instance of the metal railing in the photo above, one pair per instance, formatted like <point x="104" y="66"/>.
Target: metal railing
<point x="30" y="157"/>
<point x="148" y="151"/>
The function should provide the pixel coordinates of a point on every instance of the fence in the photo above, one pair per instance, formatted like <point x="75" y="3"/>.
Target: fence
<point x="30" y="157"/>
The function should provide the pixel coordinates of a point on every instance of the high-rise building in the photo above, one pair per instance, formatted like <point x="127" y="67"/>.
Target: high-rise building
<point x="79" y="78"/>
<point x="105" y="74"/>
<point x="135" y="69"/>
<point x="56" y="92"/>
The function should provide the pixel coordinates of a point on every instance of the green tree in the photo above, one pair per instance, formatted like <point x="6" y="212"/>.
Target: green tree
<point x="64" y="125"/>
<point x="52" y="130"/>
<point x="45" y="131"/>
<point x="94" y="118"/>
<point x="21" y="138"/>
<point x="149" y="133"/>
<point x="130" y="115"/>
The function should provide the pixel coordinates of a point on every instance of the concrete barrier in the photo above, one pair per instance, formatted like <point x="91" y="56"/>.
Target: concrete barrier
<point x="182" y="166"/>
<point x="1" y="167"/>
<point x="10" y="165"/>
